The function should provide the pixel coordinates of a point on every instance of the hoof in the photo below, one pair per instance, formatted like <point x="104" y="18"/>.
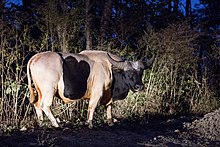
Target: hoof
<point x="55" y="125"/>
<point x="110" y="122"/>
<point x="90" y="126"/>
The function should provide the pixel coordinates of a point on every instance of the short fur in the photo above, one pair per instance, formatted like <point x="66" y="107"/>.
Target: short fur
<point x="123" y="81"/>
<point x="71" y="76"/>
<point x="75" y="76"/>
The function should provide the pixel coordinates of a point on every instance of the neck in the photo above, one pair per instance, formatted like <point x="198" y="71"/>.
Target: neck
<point x="119" y="88"/>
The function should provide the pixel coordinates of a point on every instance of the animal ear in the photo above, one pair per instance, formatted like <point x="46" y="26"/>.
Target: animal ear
<point x="147" y="62"/>
<point x="117" y="64"/>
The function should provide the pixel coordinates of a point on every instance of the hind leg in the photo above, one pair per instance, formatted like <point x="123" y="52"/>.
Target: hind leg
<point x="39" y="112"/>
<point x="38" y="108"/>
<point x="47" y="102"/>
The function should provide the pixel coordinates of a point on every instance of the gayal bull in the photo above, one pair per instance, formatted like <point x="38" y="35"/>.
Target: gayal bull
<point x="95" y="75"/>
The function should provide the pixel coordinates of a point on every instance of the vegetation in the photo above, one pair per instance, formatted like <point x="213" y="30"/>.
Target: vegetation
<point x="184" y="78"/>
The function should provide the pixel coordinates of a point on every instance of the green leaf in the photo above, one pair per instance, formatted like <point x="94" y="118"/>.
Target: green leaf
<point x="8" y="90"/>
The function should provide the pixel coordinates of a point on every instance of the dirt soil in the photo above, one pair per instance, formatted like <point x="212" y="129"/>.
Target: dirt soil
<point x="158" y="131"/>
<point x="208" y="126"/>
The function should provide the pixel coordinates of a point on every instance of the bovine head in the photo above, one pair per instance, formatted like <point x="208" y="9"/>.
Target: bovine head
<point x="132" y="71"/>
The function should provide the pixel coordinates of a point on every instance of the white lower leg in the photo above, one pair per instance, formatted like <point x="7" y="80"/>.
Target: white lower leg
<point x="109" y="115"/>
<point x="90" y="116"/>
<point x="109" y="112"/>
<point x="39" y="113"/>
<point x="49" y="114"/>
<point x="92" y="105"/>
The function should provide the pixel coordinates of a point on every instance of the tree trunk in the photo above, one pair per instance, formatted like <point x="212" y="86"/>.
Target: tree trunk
<point x="106" y="15"/>
<point x="170" y="5"/>
<point x="88" y="27"/>
<point x="26" y="4"/>
<point x="175" y="7"/>
<point x="62" y="35"/>
<point x="188" y="8"/>
<point x="189" y="12"/>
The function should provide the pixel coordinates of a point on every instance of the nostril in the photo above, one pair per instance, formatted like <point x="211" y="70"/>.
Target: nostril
<point x="142" y="87"/>
<point x="137" y="86"/>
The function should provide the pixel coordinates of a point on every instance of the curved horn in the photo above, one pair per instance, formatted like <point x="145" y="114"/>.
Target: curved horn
<point x="148" y="62"/>
<point x="117" y="64"/>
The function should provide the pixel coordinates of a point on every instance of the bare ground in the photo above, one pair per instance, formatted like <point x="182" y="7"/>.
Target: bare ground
<point x="159" y="131"/>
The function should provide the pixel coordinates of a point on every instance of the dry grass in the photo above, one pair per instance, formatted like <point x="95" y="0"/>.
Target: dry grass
<point x="172" y="85"/>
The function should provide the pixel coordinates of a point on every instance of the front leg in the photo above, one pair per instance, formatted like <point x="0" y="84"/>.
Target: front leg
<point x="91" y="109"/>
<point x="109" y="115"/>
<point x="90" y="116"/>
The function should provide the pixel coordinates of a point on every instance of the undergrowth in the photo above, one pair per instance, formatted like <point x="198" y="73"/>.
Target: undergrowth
<point x="173" y="85"/>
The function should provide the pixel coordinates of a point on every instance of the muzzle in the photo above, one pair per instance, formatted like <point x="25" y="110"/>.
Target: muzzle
<point x="138" y="87"/>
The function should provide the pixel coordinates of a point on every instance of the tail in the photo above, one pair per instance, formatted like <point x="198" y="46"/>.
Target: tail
<point x="32" y="97"/>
